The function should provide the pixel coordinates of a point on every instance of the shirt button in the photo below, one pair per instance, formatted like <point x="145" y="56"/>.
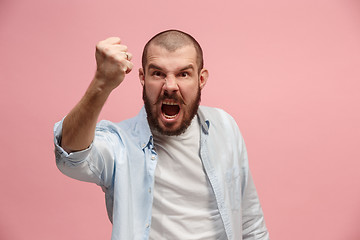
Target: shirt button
<point x="149" y="189"/>
<point x="147" y="225"/>
<point x="153" y="157"/>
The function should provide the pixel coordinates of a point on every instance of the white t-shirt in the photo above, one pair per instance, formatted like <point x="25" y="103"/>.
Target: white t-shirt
<point x="184" y="204"/>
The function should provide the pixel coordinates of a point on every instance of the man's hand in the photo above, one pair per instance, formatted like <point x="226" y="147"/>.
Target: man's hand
<point x="113" y="62"/>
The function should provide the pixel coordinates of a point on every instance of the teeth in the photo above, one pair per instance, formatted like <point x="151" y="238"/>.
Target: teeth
<point x="170" y="103"/>
<point x="170" y="117"/>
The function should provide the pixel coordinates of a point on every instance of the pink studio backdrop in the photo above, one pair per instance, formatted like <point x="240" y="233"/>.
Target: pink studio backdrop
<point x="288" y="71"/>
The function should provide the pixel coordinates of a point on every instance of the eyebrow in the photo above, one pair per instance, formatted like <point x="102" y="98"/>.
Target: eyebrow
<point x="153" y="66"/>
<point x="190" y="66"/>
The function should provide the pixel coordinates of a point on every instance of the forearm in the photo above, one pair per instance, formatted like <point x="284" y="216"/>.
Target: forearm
<point x="79" y="125"/>
<point x="113" y="62"/>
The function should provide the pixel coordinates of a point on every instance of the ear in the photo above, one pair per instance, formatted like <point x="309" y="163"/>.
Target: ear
<point x="141" y="76"/>
<point x="204" y="75"/>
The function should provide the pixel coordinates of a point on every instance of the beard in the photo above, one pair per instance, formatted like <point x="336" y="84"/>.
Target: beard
<point x="189" y="114"/>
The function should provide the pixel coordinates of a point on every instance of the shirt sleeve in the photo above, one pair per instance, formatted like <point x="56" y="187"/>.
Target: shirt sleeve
<point x="253" y="223"/>
<point x="94" y="164"/>
<point x="254" y="227"/>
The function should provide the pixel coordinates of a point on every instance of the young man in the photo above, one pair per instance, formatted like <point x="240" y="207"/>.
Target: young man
<point x="176" y="170"/>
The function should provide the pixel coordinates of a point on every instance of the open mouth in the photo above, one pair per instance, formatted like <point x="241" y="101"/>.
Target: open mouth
<point x="170" y="109"/>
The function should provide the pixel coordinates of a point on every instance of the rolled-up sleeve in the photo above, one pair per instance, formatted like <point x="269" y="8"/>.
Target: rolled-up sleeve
<point x="94" y="164"/>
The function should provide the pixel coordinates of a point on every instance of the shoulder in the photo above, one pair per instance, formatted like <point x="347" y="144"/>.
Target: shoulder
<point x="220" y="122"/>
<point x="133" y="128"/>
<point x="124" y="125"/>
<point x="216" y="116"/>
<point x="107" y="126"/>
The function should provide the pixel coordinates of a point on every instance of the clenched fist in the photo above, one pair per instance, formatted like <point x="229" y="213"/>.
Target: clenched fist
<point x="113" y="62"/>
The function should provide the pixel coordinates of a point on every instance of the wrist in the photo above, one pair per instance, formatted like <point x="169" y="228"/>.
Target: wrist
<point x="101" y="85"/>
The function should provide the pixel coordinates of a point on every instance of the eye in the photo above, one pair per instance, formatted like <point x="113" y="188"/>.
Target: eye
<point x="158" y="74"/>
<point x="184" y="74"/>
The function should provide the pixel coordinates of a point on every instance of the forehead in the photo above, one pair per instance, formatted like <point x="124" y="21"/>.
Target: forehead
<point x="164" y="58"/>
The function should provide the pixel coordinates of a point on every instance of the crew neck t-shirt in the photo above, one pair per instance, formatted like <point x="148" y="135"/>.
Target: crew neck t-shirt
<point x="184" y="205"/>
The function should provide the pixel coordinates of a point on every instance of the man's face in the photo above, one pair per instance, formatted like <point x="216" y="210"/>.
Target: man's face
<point x="171" y="88"/>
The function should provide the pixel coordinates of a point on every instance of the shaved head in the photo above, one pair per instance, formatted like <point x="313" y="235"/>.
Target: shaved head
<point x="173" y="40"/>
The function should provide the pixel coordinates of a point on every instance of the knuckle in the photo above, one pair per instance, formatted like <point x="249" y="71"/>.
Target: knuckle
<point x="106" y="49"/>
<point x="121" y="48"/>
<point x="98" y="47"/>
<point x="100" y="43"/>
<point x="115" y="39"/>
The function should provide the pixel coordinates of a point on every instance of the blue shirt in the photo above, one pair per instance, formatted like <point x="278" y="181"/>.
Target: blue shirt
<point x="122" y="160"/>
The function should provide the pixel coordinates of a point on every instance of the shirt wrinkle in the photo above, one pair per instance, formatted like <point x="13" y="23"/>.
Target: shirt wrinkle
<point x="127" y="159"/>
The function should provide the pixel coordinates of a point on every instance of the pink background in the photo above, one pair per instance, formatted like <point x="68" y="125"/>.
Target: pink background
<point x="288" y="71"/>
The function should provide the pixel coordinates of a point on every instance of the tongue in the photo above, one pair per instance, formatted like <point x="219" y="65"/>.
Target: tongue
<point x="170" y="110"/>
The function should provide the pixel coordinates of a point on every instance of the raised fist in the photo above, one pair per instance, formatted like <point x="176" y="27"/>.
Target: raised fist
<point x="113" y="62"/>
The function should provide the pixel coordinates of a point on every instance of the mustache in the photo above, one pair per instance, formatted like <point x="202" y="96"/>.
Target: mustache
<point x="167" y="96"/>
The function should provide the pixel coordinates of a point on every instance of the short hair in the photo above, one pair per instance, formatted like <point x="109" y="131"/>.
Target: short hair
<point x="173" y="40"/>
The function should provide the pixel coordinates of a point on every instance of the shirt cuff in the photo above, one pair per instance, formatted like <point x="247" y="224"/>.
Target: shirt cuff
<point x="61" y="154"/>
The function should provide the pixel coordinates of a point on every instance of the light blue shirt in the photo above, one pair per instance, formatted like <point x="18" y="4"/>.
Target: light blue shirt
<point x="122" y="160"/>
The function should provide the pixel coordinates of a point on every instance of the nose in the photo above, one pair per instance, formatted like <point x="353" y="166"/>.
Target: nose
<point x="170" y="84"/>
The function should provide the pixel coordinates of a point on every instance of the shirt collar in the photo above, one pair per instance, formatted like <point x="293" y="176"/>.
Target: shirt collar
<point x="205" y="123"/>
<point x="143" y="129"/>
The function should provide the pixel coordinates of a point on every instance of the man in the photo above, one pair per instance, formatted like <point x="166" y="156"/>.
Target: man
<point x="176" y="170"/>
